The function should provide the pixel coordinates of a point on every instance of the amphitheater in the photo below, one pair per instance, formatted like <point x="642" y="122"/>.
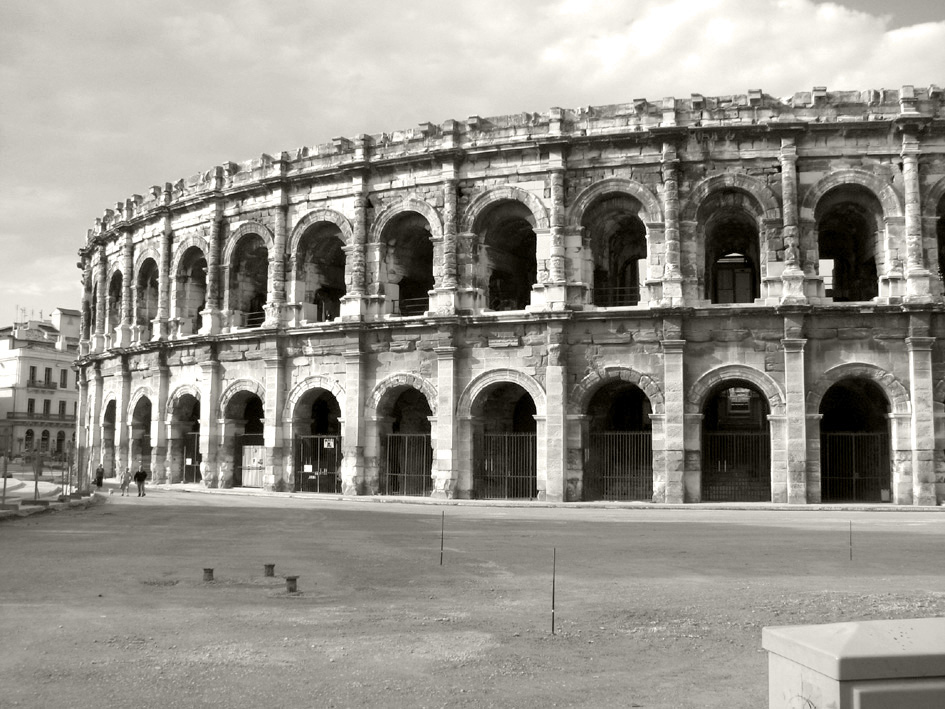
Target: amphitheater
<point x="734" y="298"/>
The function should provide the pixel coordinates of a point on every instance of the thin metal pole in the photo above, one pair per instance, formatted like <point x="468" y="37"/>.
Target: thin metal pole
<point x="442" y="527"/>
<point x="554" y="565"/>
<point x="851" y="540"/>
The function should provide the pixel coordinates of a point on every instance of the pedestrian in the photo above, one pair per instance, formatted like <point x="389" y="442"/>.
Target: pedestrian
<point x="99" y="475"/>
<point x="140" y="476"/>
<point x="125" y="481"/>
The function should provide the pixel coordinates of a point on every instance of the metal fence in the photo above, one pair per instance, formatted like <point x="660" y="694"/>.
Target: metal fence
<point x="854" y="467"/>
<point x="318" y="463"/>
<point x="192" y="457"/>
<point x="409" y="465"/>
<point x="736" y="466"/>
<point x="505" y="467"/>
<point x="616" y="297"/>
<point x="409" y="307"/>
<point x="618" y="465"/>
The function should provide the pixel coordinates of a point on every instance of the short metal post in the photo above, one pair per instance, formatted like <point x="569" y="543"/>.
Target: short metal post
<point x="270" y="569"/>
<point x="290" y="584"/>
<point x="208" y="574"/>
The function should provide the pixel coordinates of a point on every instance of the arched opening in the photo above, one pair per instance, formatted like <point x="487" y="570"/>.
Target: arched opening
<point x="249" y="281"/>
<point x="409" y="264"/>
<point x="113" y="317"/>
<point x="854" y="443"/>
<point x="184" y="445"/>
<point x="732" y="269"/>
<point x="245" y="417"/>
<point x="139" y="453"/>
<point x="29" y="441"/>
<point x="44" y="441"/>
<point x="317" y="427"/>
<point x="618" y="245"/>
<point x="736" y="445"/>
<point x="507" y="257"/>
<point x="849" y="224"/>
<point x="504" y="444"/>
<point x="406" y="444"/>
<point x="618" y="452"/>
<point x="320" y="272"/>
<point x="60" y="443"/>
<point x="108" y="438"/>
<point x="88" y="316"/>
<point x="191" y="291"/>
<point x="146" y="298"/>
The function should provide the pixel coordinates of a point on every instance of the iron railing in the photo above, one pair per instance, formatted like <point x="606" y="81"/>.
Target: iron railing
<point x="736" y="466"/>
<point x="616" y="297"/>
<point x="409" y="465"/>
<point x="409" y="307"/>
<point x="618" y="465"/>
<point x="318" y="463"/>
<point x="505" y="467"/>
<point x="854" y="467"/>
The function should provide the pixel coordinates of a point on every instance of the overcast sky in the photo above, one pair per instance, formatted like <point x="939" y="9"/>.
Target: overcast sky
<point x="100" y="99"/>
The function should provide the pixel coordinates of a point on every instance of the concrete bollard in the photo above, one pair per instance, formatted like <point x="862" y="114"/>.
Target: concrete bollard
<point x="270" y="569"/>
<point x="290" y="584"/>
<point x="208" y="574"/>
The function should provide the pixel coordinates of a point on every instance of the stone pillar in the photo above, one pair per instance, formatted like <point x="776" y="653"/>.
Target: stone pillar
<point x="84" y="433"/>
<point x="122" y="425"/>
<point x="672" y="294"/>
<point x="352" y="443"/>
<point x="555" y="291"/>
<point x="792" y="277"/>
<point x="211" y="317"/>
<point x="85" y="321"/>
<point x="98" y="339"/>
<point x="669" y="485"/>
<point x="275" y="305"/>
<point x="918" y="277"/>
<point x="209" y="422"/>
<point x="272" y="431"/>
<point x="444" y="295"/>
<point x="158" y="431"/>
<point x="923" y="419"/>
<point x="900" y="441"/>
<point x="814" y="470"/>
<point x="352" y="304"/>
<point x="124" y="329"/>
<point x="159" y="331"/>
<point x="444" y="467"/>
<point x="555" y="429"/>
<point x="793" y="490"/>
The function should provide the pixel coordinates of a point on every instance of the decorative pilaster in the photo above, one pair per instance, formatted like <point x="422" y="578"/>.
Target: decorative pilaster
<point x="918" y="276"/>
<point x="159" y="424"/>
<point x="122" y="425"/>
<point x="444" y="295"/>
<point x="792" y="277"/>
<point x="352" y="304"/>
<point x="124" y="329"/>
<point x="672" y="275"/>
<point x="275" y="304"/>
<point x="555" y="287"/>
<point x="353" y="476"/>
<point x="922" y="396"/>
<point x="792" y="486"/>
<point x="83" y="452"/>
<point x="160" y="329"/>
<point x="210" y="317"/>
<point x="444" y="467"/>
<point x="101" y="298"/>
<point x="669" y="485"/>
<point x="94" y="426"/>
<point x="555" y="429"/>
<point x="274" y="478"/>
<point x="210" y="438"/>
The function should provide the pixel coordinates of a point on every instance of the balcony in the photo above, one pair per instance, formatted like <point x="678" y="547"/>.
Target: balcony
<point x="39" y="384"/>
<point x="25" y="415"/>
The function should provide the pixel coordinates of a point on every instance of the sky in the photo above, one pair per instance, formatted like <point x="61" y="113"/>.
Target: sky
<point x="101" y="99"/>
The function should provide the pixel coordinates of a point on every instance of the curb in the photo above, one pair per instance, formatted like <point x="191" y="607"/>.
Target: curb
<point x="28" y="510"/>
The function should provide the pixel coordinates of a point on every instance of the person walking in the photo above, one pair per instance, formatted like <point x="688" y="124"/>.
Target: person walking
<point x="125" y="481"/>
<point x="140" y="476"/>
<point x="99" y="475"/>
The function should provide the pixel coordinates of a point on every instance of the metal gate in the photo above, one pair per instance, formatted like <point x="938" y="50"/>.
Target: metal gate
<point x="250" y="463"/>
<point x="618" y="465"/>
<point x="409" y="465"/>
<point x="317" y="463"/>
<point x="736" y="466"/>
<point x="192" y="457"/>
<point x="505" y="467"/>
<point x="854" y="467"/>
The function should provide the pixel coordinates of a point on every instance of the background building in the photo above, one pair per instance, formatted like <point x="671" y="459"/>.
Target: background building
<point x="710" y="298"/>
<point x="38" y="392"/>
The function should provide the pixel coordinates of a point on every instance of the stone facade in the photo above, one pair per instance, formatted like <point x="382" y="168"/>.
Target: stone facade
<point x="712" y="298"/>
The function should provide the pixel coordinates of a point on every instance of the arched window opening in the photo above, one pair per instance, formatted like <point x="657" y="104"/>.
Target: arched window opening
<point x="504" y="446"/>
<point x="736" y="446"/>
<point x="140" y="435"/>
<point x="60" y="442"/>
<point x="108" y="438"/>
<point x="146" y="297"/>
<point x="854" y="443"/>
<point x="44" y="442"/>
<point x="249" y="279"/>
<point x="320" y="272"/>
<point x="732" y="256"/>
<point x="28" y="440"/>
<point x="618" y="244"/>
<point x="409" y="264"/>
<point x="849" y="242"/>
<point x="113" y="305"/>
<point x="184" y="457"/>
<point x="618" y="449"/>
<point x="191" y="291"/>
<point x="507" y="256"/>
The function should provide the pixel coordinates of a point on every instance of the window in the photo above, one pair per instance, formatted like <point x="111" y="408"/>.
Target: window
<point x="47" y="404"/>
<point x="47" y="375"/>
<point x="64" y="379"/>
<point x="28" y="440"/>
<point x="32" y="374"/>
<point x="62" y="409"/>
<point x="31" y="406"/>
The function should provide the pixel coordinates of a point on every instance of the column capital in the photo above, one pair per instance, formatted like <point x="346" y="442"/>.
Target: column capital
<point x="792" y="344"/>
<point x="674" y="346"/>
<point x="919" y="343"/>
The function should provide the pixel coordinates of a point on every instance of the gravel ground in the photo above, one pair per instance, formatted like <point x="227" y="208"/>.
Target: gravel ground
<point x="107" y="607"/>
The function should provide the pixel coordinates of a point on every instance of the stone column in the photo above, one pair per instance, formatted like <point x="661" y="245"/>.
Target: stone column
<point x="555" y="288"/>
<point x="98" y="339"/>
<point x="352" y="304"/>
<point x="444" y="467"/>
<point x="555" y="430"/>
<point x="275" y="305"/>
<point x="85" y="321"/>
<point x="122" y="425"/>
<point x="792" y="277"/>
<point x="669" y="483"/>
<point x="159" y="331"/>
<point x="444" y="295"/>
<point x="124" y="329"/>
<point x="672" y="274"/>
<point x="272" y="431"/>
<point x="211" y="319"/>
<point x="159" y="425"/>
<point x="210" y="417"/>
<point x="793" y="489"/>
<point x="918" y="277"/>
<point x="923" y="419"/>
<point x="352" y="443"/>
<point x="84" y="433"/>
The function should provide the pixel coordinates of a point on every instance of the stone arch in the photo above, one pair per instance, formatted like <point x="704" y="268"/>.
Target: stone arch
<point x="500" y="376"/>
<point x="148" y="252"/>
<point x="398" y="381"/>
<point x="482" y="202"/>
<point x="408" y="204"/>
<point x="108" y="398"/>
<point x="584" y="391"/>
<point x="882" y="190"/>
<point x="238" y="387"/>
<point x="329" y="216"/>
<point x="652" y="209"/>
<point x="895" y="392"/>
<point x="708" y="382"/>
<point x="315" y="382"/>
<point x="176" y="395"/>
<point x="182" y="248"/>
<point x="139" y="393"/>
<point x="234" y="238"/>
<point x="931" y="200"/>
<point x="768" y="203"/>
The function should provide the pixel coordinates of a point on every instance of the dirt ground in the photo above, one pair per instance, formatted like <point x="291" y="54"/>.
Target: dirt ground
<point x="107" y="607"/>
